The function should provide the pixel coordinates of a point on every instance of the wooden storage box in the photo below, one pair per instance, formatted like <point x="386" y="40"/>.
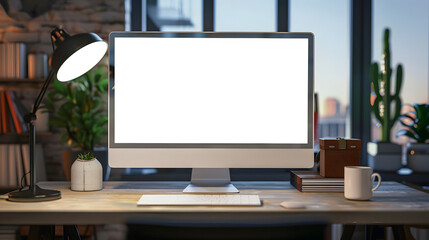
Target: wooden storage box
<point x="336" y="153"/>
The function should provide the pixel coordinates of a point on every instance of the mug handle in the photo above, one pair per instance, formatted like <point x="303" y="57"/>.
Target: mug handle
<point x="379" y="180"/>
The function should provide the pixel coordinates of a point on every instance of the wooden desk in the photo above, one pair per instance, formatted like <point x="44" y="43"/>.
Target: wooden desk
<point x="393" y="203"/>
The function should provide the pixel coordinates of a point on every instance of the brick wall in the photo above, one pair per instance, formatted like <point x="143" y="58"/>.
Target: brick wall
<point x="76" y="16"/>
<point x="98" y="16"/>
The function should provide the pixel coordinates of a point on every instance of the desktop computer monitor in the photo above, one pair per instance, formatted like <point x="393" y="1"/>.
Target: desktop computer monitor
<point x="211" y="101"/>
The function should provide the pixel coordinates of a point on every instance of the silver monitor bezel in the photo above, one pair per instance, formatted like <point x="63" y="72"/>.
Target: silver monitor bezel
<point x="159" y="154"/>
<point x="114" y="35"/>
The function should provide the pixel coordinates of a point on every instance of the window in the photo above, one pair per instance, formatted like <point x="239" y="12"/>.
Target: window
<point x="174" y="15"/>
<point x="245" y="15"/>
<point x="329" y="20"/>
<point x="408" y="22"/>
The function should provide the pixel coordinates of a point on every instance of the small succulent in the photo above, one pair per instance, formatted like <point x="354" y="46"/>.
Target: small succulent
<point x="86" y="156"/>
<point x="416" y="123"/>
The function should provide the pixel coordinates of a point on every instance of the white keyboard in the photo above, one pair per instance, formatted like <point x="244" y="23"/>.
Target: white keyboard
<point x="198" y="200"/>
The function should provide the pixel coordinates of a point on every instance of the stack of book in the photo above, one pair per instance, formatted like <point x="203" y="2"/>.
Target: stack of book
<point x="12" y="113"/>
<point x="13" y="60"/>
<point x="311" y="181"/>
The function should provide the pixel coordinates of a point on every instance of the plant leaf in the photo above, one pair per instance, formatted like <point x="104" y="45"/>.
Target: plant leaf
<point x="59" y="87"/>
<point x="407" y="133"/>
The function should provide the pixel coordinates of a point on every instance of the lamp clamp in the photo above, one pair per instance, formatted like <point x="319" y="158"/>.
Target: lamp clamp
<point x="30" y="117"/>
<point x="58" y="36"/>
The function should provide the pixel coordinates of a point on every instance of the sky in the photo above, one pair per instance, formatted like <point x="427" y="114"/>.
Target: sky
<point x="253" y="15"/>
<point x="330" y="21"/>
<point x="409" y="29"/>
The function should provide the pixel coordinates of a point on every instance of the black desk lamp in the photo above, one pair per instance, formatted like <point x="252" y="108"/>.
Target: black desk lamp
<point x="73" y="56"/>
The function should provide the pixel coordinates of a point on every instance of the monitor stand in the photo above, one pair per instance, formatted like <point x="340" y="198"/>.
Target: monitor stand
<point x="210" y="180"/>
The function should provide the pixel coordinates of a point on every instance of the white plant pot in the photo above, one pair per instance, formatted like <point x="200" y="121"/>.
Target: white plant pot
<point x="86" y="175"/>
<point x="418" y="157"/>
<point x="384" y="156"/>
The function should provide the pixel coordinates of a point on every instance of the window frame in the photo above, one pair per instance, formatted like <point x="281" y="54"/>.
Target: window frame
<point x="360" y="84"/>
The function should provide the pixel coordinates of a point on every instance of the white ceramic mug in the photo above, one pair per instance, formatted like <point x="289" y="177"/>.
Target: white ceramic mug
<point x="358" y="182"/>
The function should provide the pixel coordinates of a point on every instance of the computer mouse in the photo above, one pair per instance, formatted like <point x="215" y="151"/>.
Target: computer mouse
<point x="292" y="205"/>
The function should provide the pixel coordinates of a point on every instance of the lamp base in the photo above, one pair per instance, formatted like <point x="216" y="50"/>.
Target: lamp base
<point x="38" y="195"/>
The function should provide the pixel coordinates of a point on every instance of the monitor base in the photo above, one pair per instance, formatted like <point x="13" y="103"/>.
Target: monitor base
<point x="210" y="180"/>
<point x="228" y="188"/>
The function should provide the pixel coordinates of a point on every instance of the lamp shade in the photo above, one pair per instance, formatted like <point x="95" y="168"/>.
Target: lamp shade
<point x="77" y="54"/>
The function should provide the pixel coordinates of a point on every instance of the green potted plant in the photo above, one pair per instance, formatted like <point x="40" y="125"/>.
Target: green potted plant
<point x="77" y="108"/>
<point x="416" y="125"/>
<point x="384" y="155"/>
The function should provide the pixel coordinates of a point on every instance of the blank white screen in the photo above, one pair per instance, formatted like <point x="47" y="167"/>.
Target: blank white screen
<point x="211" y="90"/>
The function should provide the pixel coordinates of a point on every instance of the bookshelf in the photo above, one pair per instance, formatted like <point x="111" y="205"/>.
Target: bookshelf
<point x="21" y="83"/>
<point x="14" y="138"/>
<point x="14" y="129"/>
<point x="21" y="80"/>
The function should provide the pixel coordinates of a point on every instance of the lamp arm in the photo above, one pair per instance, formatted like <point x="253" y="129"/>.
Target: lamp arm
<point x="43" y="91"/>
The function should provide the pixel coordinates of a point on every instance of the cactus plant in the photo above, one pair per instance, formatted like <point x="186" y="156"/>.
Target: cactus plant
<point x="381" y="84"/>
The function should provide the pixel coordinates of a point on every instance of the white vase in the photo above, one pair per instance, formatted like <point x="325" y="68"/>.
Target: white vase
<point x="86" y="175"/>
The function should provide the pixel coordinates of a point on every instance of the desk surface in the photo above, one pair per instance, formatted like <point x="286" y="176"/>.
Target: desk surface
<point x="393" y="203"/>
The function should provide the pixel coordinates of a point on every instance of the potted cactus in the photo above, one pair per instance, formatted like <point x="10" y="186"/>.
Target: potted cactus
<point x="416" y="125"/>
<point x="384" y="155"/>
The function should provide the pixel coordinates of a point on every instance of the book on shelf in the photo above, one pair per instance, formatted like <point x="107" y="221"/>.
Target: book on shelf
<point x="1" y="122"/>
<point x="3" y="60"/>
<point x="312" y="181"/>
<point x="19" y="164"/>
<point x="4" y="115"/>
<point x="13" y="60"/>
<point x="12" y="113"/>
<point x="13" y="181"/>
<point x="311" y="189"/>
<point x="12" y="128"/>
<point x="20" y="60"/>
<point x="10" y="55"/>
<point x="4" y="166"/>
<point x="20" y="110"/>
<point x="25" y="154"/>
